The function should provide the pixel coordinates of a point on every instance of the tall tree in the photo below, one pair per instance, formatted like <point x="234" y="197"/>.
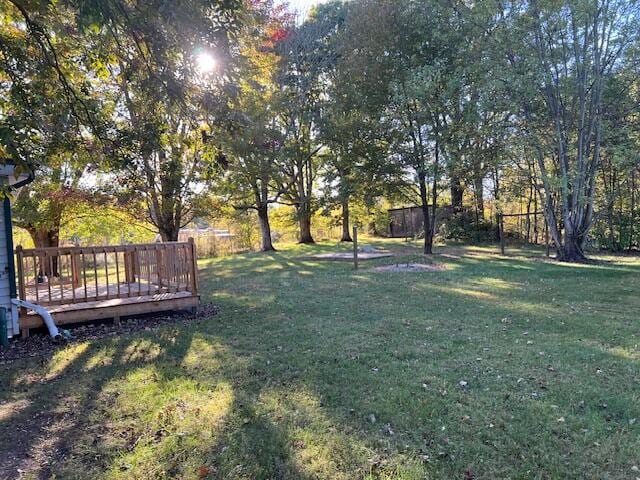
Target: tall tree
<point x="127" y="77"/>
<point x="167" y="77"/>
<point x="42" y="206"/>
<point x="303" y="57"/>
<point x="252" y="137"/>
<point x="339" y="117"/>
<point x="50" y="114"/>
<point x="411" y="57"/>
<point x="559" y="58"/>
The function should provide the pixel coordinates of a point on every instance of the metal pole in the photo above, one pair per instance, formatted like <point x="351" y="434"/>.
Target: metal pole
<point x="355" y="248"/>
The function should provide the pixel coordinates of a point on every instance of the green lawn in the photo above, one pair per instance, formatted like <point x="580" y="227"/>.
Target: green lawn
<point x="495" y="368"/>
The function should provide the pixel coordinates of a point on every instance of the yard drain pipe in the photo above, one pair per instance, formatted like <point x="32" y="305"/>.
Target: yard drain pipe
<point x="44" y="313"/>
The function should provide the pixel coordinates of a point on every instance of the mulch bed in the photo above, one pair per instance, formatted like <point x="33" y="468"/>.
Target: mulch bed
<point x="39" y="343"/>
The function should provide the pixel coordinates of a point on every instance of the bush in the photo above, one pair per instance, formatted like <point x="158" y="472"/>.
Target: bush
<point x="459" y="226"/>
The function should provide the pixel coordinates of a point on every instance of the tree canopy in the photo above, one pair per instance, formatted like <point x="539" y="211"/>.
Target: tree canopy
<point x="470" y="111"/>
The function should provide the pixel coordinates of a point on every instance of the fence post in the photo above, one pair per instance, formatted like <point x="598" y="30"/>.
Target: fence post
<point x="355" y="248"/>
<point x="194" y="267"/>
<point x="501" y="228"/>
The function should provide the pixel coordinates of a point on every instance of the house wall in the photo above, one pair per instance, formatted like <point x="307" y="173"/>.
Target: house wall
<point x="5" y="280"/>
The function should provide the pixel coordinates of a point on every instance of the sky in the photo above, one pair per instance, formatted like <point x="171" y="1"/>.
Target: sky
<point x="303" y="6"/>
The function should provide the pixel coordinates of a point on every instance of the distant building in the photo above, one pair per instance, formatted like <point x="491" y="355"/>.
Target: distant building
<point x="409" y="222"/>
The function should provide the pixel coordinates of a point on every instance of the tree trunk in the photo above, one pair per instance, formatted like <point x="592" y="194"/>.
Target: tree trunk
<point x="496" y="196"/>
<point x="571" y="247"/>
<point x="44" y="239"/>
<point x="535" y="217"/>
<point x="346" y="236"/>
<point x="571" y="250"/>
<point x="479" y="194"/>
<point x="304" y="185"/>
<point x="457" y="192"/>
<point x="265" y="229"/>
<point x="169" y="234"/>
<point x="424" y="204"/>
<point x="633" y="210"/>
<point x="434" y="197"/>
<point x="304" y="215"/>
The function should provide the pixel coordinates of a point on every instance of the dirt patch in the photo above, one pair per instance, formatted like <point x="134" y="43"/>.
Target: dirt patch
<point x="411" y="267"/>
<point x="348" y="256"/>
<point x="39" y="344"/>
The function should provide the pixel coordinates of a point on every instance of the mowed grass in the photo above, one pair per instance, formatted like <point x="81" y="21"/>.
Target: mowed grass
<point x="498" y="367"/>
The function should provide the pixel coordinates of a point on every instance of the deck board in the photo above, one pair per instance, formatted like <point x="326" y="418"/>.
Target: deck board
<point x="112" y="308"/>
<point x="67" y="294"/>
<point x="114" y="302"/>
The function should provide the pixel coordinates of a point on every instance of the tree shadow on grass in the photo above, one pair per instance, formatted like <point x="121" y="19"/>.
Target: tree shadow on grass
<point x="59" y="394"/>
<point x="347" y="380"/>
<point x="299" y="390"/>
<point x="35" y="435"/>
<point x="67" y="425"/>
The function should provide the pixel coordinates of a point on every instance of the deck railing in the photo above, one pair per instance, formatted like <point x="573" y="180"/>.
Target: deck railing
<point x="65" y="275"/>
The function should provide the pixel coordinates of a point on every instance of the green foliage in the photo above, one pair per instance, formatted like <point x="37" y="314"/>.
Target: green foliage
<point x="460" y="227"/>
<point x="106" y="225"/>
<point x="363" y="102"/>
<point x="47" y="99"/>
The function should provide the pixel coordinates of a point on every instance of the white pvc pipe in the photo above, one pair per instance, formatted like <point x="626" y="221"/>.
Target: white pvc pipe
<point x="44" y="313"/>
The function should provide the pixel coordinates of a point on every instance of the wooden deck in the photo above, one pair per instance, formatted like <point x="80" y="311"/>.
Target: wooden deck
<point x="61" y="293"/>
<point x="78" y="284"/>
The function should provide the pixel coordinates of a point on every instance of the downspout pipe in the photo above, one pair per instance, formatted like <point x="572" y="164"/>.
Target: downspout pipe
<point x="44" y="313"/>
<point x="31" y="176"/>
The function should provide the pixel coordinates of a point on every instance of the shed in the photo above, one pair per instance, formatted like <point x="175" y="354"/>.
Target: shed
<point x="405" y="222"/>
<point x="408" y="221"/>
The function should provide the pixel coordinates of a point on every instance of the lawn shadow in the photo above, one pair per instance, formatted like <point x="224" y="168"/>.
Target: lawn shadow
<point x="330" y="378"/>
<point x="60" y="392"/>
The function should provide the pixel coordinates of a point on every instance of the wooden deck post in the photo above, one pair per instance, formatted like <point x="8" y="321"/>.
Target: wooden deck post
<point x="194" y="267"/>
<point x="75" y="271"/>
<point x="131" y="266"/>
<point x="161" y="268"/>
<point x="127" y="267"/>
